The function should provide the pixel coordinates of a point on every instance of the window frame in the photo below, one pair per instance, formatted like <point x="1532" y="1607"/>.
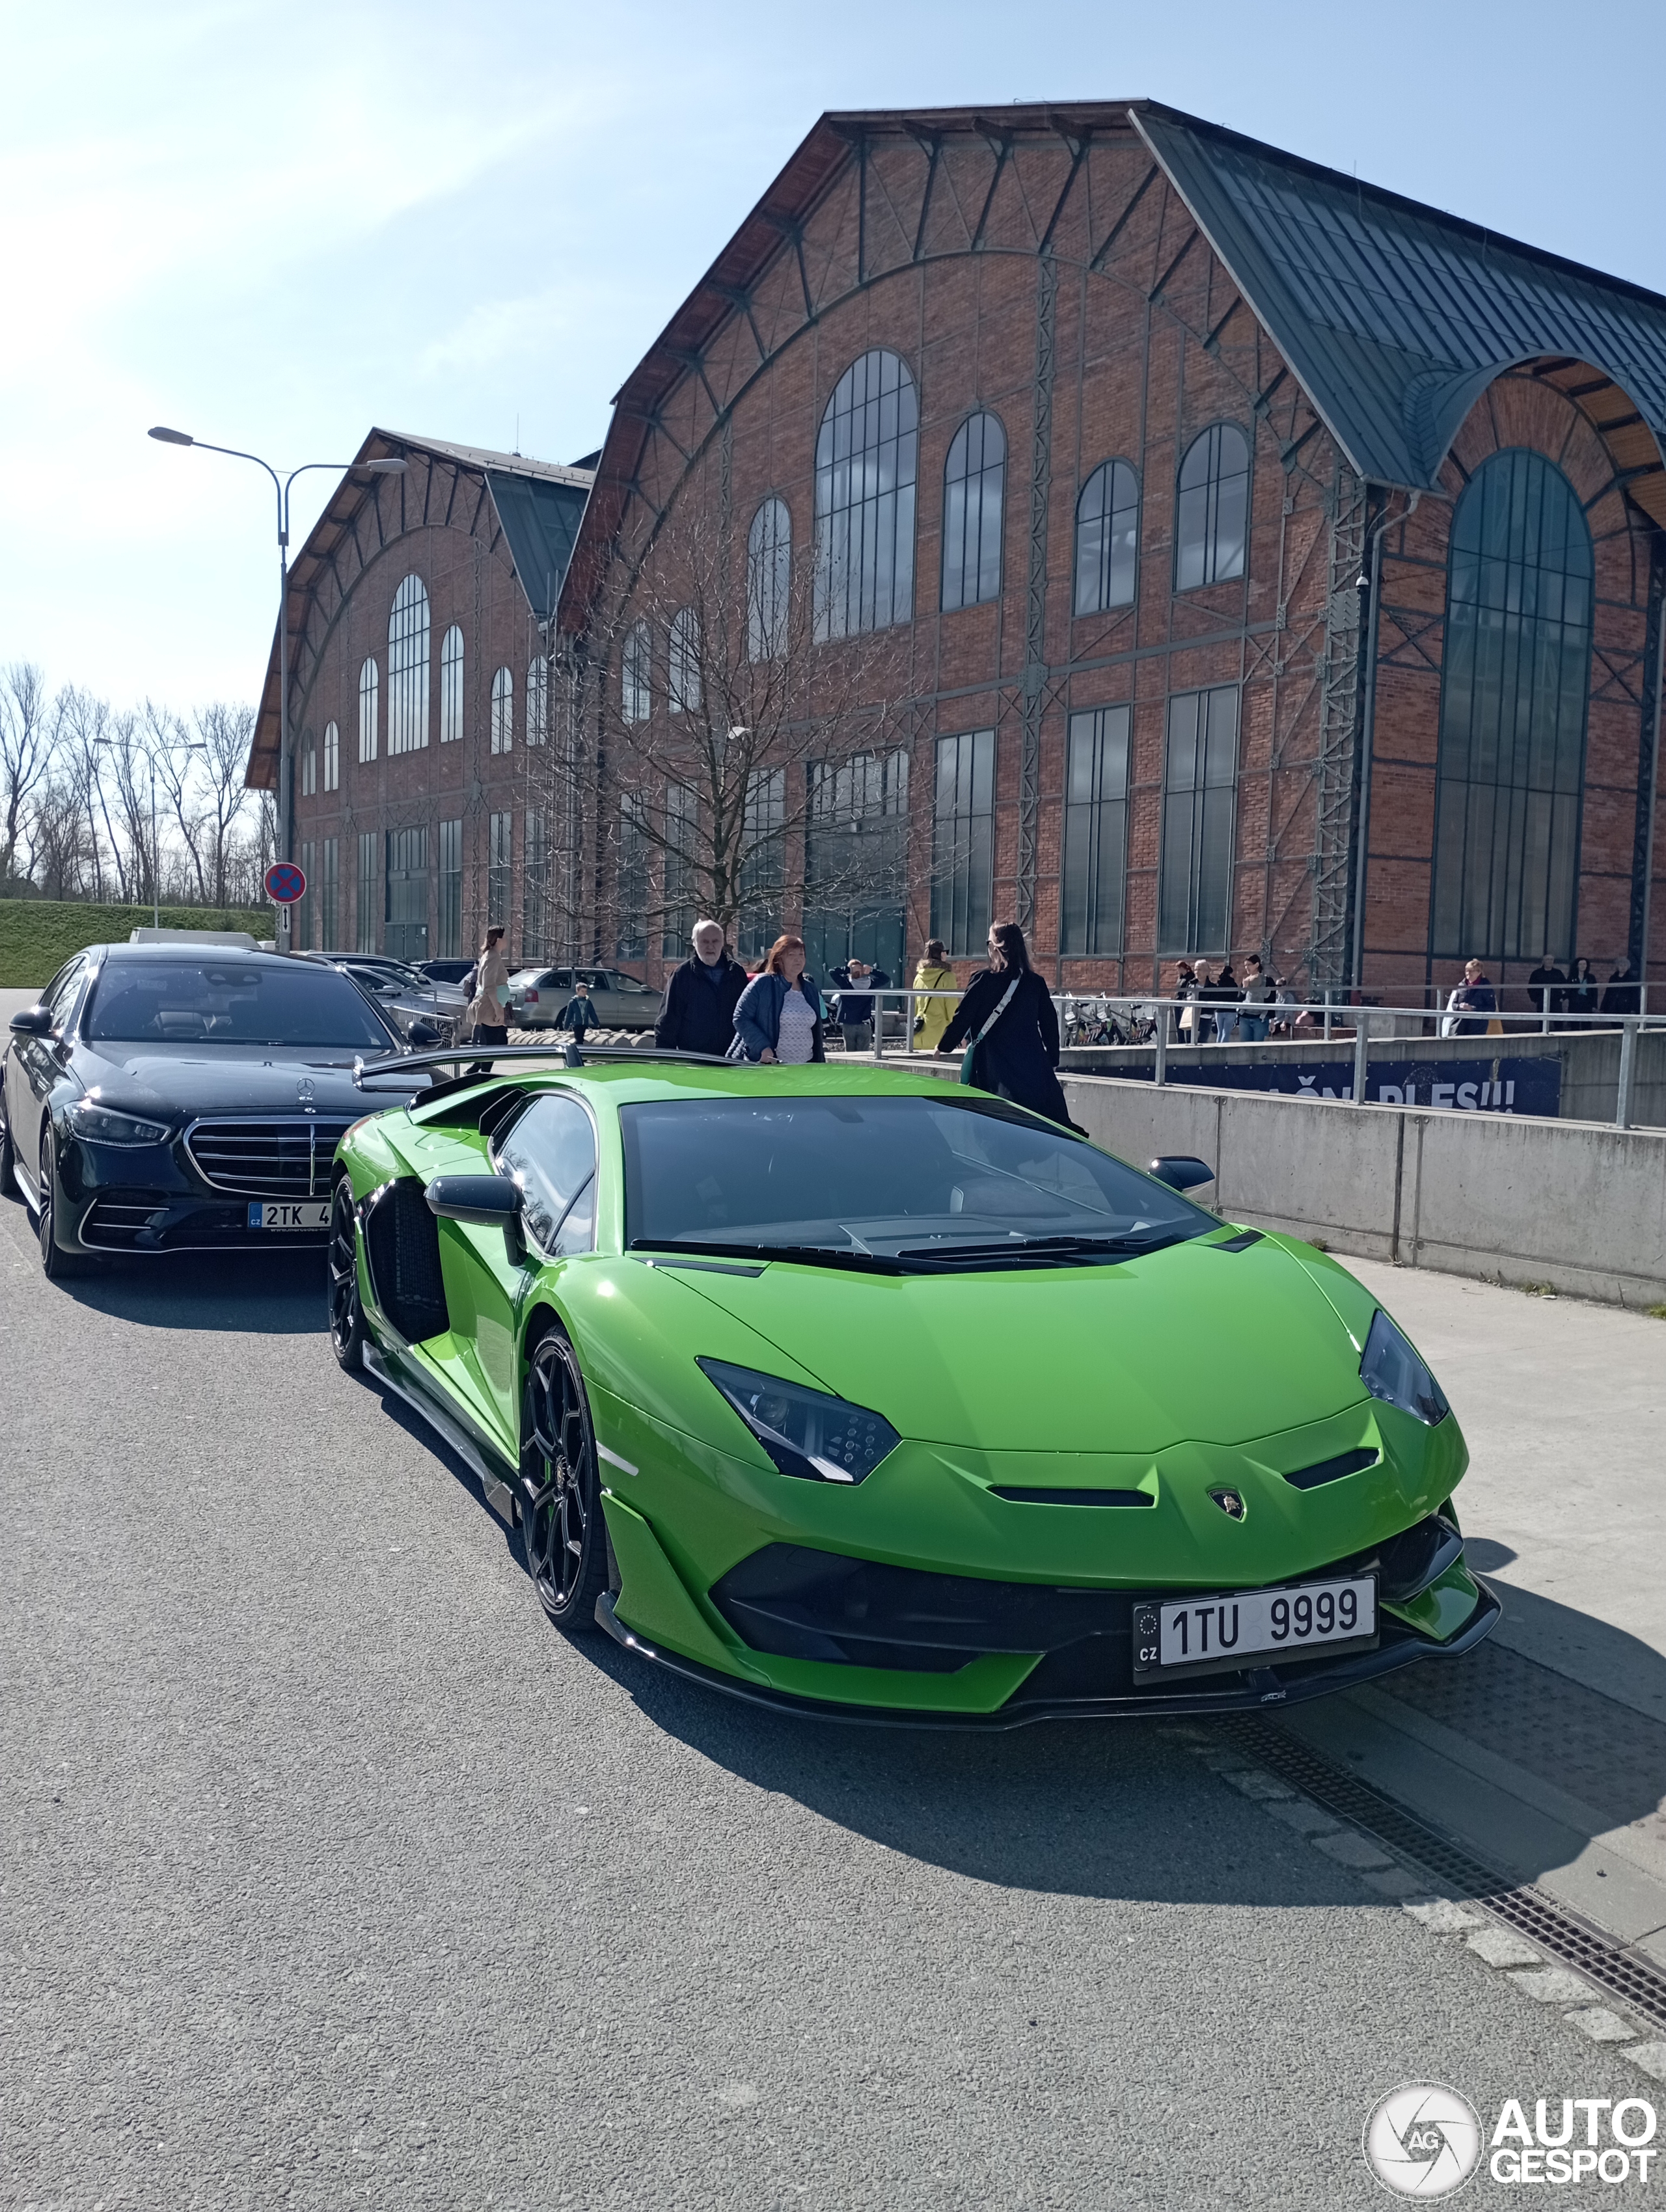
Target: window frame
<point x="684" y="690"/>
<point x="370" y="685"/>
<point x="1085" y="818"/>
<point x="453" y="663"/>
<point x="331" y="756"/>
<point x="1196" y="853"/>
<point x="766" y="626"/>
<point x="636" y="673"/>
<point x="410" y="638"/>
<point x="963" y="527"/>
<point x="1105" y="520"/>
<point x="968" y="941"/>
<point x="1210" y="490"/>
<point x="874" y="594"/>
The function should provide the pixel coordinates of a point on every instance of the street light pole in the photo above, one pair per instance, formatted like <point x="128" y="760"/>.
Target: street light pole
<point x="286" y="833"/>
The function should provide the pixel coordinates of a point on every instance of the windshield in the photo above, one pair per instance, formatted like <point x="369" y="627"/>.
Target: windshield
<point x="914" y="1177"/>
<point x="231" y="1002"/>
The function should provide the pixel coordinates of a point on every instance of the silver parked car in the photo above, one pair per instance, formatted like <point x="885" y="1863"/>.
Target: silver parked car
<point x="403" y="993"/>
<point x="536" y="996"/>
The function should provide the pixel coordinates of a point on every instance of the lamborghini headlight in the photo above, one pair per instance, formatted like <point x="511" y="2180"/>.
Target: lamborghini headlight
<point x="806" y="1432"/>
<point x="1392" y="1371"/>
<point x="102" y="1125"/>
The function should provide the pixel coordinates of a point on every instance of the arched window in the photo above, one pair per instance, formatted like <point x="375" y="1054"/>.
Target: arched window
<point x="407" y="668"/>
<point x="768" y="581"/>
<point x="369" y="682"/>
<point x="537" y="699"/>
<point x="503" y="711"/>
<point x="1211" y="518"/>
<point x="1515" y="678"/>
<point x="636" y="674"/>
<point x="331" y="756"/>
<point x="309" y="766"/>
<point x="866" y="453"/>
<point x="451" y="686"/>
<point x="1107" y="538"/>
<point x="974" y="485"/>
<point x="683" y="669"/>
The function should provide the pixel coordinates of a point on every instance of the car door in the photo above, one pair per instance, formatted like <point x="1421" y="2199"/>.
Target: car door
<point x="622" y="1002"/>
<point x="37" y="1063"/>
<point x="550" y="1151"/>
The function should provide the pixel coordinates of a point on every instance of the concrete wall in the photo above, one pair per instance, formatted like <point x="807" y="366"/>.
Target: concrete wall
<point x="1578" y="1205"/>
<point x="1590" y="1062"/>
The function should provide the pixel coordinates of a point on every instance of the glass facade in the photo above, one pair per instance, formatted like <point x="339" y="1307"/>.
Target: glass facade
<point x="631" y="883"/>
<point x="763" y="862"/>
<point x="1107" y="539"/>
<point x="449" y="916"/>
<point x="326" y="892"/>
<point x="636" y="674"/>
<point x="866" y="460"/>
<point x="367" y="892"/>
<point x="369" y="685"/>
<point x="682" y="879"/>
<point x="407" y="894"/>
<point x="1096" y="831"/>
<point x="451" y="686"/>
<point x="974" y="487"/>
<point x="683" y="669"/>
<point x="500" y="874"/>
<point x="407" y="668"/>
<point x="768" y="581"/>
<point x="1212" y="516"/>
<point x="309" y="767"/>
<point x="856" y="861"/>
<point x="1516" y="677"/>
<point x="964" y="841"/>
<point x="1200" y="798"/>
<point x="331" y="757"/>
<point x="537" y="700"/>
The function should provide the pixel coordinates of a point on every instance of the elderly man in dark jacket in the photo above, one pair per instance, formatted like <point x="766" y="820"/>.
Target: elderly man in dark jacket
<point x="697" y="1014"/>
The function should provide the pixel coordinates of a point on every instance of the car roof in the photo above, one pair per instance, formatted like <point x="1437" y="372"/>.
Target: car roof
<point x="622" y="1083"/>
<point x="219" y="953"/>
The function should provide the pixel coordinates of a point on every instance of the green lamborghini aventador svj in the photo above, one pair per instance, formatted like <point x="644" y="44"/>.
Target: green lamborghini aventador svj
<point x="864" y="1393"/>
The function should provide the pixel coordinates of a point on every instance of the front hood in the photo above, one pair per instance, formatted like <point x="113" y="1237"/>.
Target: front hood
<point x="1191" y="1344"/>
<point x="236" y="1078"/>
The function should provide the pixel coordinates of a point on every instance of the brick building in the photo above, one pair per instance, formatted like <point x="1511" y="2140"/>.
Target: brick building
<point x="1245" y="559"/>
<point x="418" y="655"/>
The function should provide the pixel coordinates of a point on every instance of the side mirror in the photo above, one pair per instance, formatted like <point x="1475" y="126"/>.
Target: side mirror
<point x="1181" y="1171"/>
<point x="32" y="1021"/>
<point x="487" y="1200"/>
<point x="422" y="1034"/>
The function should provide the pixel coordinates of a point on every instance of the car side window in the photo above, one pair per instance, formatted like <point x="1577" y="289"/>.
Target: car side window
<point x="623" y="982"/>
<point x="550" y="1151"/>
<point x="61" y="992"/>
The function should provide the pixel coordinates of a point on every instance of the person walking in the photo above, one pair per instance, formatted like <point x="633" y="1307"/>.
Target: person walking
<point x="853" y="1007"/>
<point x="579" y="1014"/>
<point x="779" y="1018"/>
<point x="1473" y="1004"/>
<point x="485" y="1012"/>
<point x="1582" y="992"/>
<point x="933" y="973"/>
<point x="1622" y="995"/>
<point x="697" y="1012"/>
<point x="1009" y="1019"/>
<point x="1542" y="994"/>
<point x="1260" y="994"/>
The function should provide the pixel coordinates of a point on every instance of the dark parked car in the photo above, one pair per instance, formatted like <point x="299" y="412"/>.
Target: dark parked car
<point x="445" y="971"/>
<point x="169" y="1098"/>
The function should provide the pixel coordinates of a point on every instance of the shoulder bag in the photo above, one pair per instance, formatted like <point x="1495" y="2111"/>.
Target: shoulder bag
<point x="968" y="1057"/>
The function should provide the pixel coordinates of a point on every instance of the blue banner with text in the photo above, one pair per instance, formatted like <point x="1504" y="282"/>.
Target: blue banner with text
<point x="1467" y="1086"/>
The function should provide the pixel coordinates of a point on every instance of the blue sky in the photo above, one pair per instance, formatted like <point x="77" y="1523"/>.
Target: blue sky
<point x="274" y="225"/>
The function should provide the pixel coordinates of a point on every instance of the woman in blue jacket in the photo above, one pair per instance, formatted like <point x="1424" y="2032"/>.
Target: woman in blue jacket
<point x="779" y="1018"/>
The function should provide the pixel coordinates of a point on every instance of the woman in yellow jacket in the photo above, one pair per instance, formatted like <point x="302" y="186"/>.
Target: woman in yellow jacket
<point x="931" y="1016"/>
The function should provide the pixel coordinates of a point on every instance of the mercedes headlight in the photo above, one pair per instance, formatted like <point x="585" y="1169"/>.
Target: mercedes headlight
<point x="1392" y="1371"/>
<point x="806" y="1432"/>
<point x="102" y="1125"/>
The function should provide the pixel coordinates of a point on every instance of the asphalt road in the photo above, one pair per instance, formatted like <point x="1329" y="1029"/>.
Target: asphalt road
<point x="331" y="1876"/>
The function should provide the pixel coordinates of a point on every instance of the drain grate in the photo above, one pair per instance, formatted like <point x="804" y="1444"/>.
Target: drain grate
<point x="1577" y="1943"/>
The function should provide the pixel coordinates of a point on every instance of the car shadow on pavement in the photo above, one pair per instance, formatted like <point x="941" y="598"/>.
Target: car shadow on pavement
<point x="276" y="1294"/>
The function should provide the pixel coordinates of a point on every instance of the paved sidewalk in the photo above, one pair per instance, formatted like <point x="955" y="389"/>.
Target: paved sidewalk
<point x="1545" y="1749"/>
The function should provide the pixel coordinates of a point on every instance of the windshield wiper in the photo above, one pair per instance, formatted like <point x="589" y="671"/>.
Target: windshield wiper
<point x="814" y="1255"/>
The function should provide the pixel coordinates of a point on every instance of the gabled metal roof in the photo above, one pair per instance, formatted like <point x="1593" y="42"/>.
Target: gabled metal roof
<point x="540" y="517"/>
<point x="1395" y="316"/>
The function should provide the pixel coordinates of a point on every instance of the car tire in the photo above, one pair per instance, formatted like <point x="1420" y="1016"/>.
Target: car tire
<point x="562" y="1533"/>
<point x="347" y="1331"/>
<point x="55" y="1264"/>
<point x="9" y="1186"/>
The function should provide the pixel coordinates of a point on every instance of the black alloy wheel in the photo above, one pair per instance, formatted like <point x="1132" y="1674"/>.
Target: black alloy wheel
<point x="560" y="1506"/>
<point x="55" y="1262"/>
<point x="346" y="1310"/>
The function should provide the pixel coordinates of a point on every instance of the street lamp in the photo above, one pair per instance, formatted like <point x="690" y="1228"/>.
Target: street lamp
<point x="281" y="484"/>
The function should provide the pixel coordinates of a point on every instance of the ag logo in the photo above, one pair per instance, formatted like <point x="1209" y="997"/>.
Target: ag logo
<point x="1422" y="2140"/>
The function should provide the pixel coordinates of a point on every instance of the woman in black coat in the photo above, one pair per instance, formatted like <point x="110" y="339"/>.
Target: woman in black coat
<point x="1018" y="1058"/>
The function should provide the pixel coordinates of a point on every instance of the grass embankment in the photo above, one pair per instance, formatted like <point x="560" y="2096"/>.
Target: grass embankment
<point x="37" y="936"/>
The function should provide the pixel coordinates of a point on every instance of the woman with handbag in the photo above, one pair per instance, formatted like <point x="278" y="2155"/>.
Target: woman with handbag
<point x="778" y="1020"/>
<point x="932" y="1018"/>
<point x="1011" y="1030"/>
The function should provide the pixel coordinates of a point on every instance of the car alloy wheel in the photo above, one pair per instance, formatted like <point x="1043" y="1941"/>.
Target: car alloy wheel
<point x="346" y="1311"/>
<point x="55" y="1262"/>
<point x="560" y="1509"/>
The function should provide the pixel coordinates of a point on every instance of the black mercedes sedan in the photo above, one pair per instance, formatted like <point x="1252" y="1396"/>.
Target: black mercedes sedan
<point x="177" y="1097"/>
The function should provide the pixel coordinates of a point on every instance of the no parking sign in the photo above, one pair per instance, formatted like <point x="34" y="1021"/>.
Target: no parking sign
<point x="285" y="882"/>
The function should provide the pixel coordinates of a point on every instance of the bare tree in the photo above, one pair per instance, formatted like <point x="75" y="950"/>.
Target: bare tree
<point x="709" y="756"/>
<point x="27" y="739"/>
<point x="224" y="733"/>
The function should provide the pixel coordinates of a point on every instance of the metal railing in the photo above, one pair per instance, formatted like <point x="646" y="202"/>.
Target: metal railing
<point x="1148" y="1020"/>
